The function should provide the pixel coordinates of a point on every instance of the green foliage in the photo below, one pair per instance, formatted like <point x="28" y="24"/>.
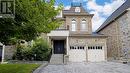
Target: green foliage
<point x="23" y="53"/>
<point x="17" y="68"/>
<point x="39" y="51"/>
<point x="32" y="17"/>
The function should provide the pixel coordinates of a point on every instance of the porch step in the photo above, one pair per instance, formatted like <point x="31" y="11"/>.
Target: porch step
<point x="56" y="59"/>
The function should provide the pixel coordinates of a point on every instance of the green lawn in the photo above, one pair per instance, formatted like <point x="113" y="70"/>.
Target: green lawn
<point x="17" y="68"/>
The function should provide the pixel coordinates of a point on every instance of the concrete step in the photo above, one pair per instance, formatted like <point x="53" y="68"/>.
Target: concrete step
<point x="56" y="59"/>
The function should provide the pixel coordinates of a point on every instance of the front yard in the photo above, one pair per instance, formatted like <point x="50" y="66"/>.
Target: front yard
<point x="18" y="68"/>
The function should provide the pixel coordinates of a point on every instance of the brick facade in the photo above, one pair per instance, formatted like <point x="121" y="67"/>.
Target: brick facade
<point x="79" y="19"/>
<point x="89" y="41"/>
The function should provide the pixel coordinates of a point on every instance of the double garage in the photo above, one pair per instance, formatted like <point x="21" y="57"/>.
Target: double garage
<point x="95" y="53"/>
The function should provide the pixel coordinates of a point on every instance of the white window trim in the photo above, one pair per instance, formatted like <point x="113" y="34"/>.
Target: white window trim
<point x="83" y="25"/>
<point x="73" y="25"/>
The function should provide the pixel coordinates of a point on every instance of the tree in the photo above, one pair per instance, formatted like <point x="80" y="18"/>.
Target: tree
<point x="32" y="17"/>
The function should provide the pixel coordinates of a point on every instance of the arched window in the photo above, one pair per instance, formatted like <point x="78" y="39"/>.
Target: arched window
<point x="83" y="26"/>
<point x="73" y="25"/>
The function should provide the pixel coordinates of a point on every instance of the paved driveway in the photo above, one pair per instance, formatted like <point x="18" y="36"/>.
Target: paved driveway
<point x="105" y="67"/>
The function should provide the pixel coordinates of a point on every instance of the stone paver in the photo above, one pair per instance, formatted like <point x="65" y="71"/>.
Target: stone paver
<point x="104" y="67"/>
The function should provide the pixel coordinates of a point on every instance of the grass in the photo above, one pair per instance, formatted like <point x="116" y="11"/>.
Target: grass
<point x="17" y="68"/>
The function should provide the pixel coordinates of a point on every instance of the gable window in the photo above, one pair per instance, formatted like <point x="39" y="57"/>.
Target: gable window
<point x="77" y="9"/>
<point x="73" y="25"/>
<point x="83" y="25"/>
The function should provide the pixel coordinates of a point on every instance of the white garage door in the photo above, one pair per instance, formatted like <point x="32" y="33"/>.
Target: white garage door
<point x="96" y="54"/>
<point x="77" y="54"/>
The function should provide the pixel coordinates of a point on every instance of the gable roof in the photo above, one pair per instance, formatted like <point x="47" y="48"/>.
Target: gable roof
<point x="115" y="15"/>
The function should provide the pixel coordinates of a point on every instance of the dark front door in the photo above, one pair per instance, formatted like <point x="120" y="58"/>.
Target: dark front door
<point x="58" y="46"/>
<point x="1" y="53"/>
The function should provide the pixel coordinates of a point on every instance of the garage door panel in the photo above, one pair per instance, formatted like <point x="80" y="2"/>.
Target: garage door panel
<point x="77" y="55"/>
<point x="96" y="54"/>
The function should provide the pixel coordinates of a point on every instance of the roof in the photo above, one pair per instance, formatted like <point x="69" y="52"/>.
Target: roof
<point x="94" y="34"/>
<point x="115" y="15"/>
<point x="71" y="11"/>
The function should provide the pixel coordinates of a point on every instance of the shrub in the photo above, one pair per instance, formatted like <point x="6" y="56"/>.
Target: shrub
<point x="39" y="51"/>
<point x="23" y="53"/>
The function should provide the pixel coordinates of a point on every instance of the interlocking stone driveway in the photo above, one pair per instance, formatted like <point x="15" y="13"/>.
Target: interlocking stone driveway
<point x="104" y="67"/>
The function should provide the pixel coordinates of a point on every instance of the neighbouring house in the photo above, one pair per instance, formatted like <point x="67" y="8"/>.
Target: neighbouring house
<point x="74" y="41"/>
<point x="117" y="28"/>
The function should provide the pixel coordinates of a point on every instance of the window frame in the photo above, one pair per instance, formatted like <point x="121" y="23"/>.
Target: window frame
<point x="73" y="25"/>
<point x="83" y="25"/>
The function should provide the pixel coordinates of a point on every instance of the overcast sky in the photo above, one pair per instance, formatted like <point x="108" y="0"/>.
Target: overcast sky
<point x="100" y="8"/>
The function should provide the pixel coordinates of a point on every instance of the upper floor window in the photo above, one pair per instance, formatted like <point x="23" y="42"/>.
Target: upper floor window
<point x="73" y="25"/>
<point x="83" y="25"/>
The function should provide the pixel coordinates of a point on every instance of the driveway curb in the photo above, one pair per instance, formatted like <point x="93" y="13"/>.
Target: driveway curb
<point x="38" y="70"/>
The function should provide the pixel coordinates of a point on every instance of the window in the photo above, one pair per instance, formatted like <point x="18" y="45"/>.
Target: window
<point x="83" y="47"/>
<point x="89" y="47"/>
<point x="98" y="47"/>
<point x="77" y="47"/>
<point x="95" y="47"/>
<point x="77" y="9"/>
<point x="73" y="25"/>
<point x="71" y="47"/>
<point x="83" y="26"/>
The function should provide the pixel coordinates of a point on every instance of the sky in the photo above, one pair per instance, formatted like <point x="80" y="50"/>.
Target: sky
<point x="101" y="9"/>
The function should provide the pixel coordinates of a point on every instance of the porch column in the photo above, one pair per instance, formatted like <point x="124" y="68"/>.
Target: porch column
<point x="67" y="45"/>
<point x="52" y="47"/>
<point x="3" y="50"/>
<point x="48" y="39"/>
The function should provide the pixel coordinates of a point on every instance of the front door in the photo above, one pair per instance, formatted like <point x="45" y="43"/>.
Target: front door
<point x="58" y="46"/>
<point x="1" y="53"/>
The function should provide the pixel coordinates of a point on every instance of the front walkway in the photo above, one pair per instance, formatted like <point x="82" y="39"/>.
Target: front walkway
<point x="104" y="67"/>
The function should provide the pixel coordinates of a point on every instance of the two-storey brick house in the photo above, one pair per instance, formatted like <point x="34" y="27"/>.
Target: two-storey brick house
<point x="75" y="38"/>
